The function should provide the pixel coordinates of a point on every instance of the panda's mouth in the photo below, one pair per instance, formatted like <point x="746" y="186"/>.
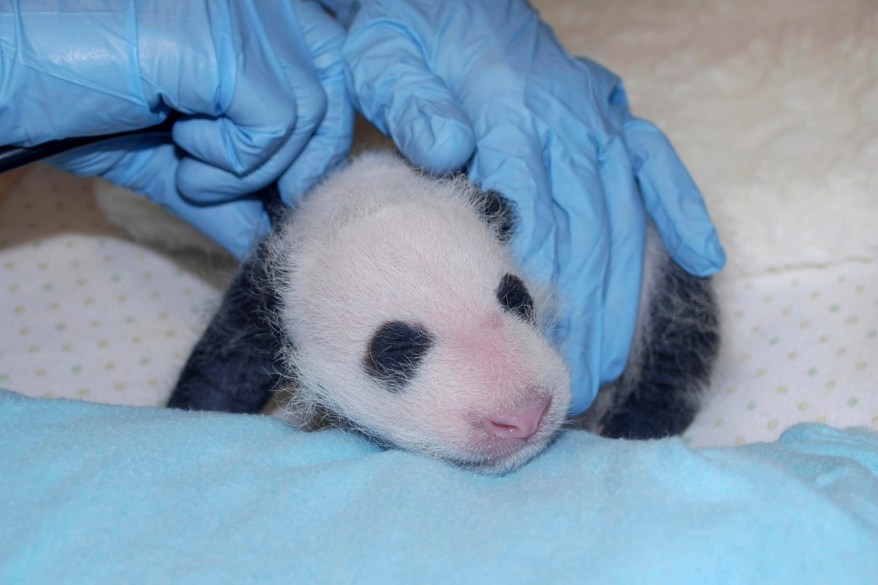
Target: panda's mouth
<point x="495" y="456"/>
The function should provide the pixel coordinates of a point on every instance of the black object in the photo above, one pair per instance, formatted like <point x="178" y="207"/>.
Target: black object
<point x="13" y="157"/>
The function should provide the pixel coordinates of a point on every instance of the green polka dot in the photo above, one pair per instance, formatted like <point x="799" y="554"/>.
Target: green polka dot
<point x="751" y="405"/>
<point x="60" y="327"/>
<point x="872" y="333"/>
<point x="853" y="401"/>
<point x="834" y="308"/>
<point x="812" y="372"/>
<point x="3" y="376"/>
<point x="773" y="341"/>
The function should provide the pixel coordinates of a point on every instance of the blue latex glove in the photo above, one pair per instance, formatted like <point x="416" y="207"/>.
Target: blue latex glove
<point x="261" y="86"/>
<point x="485" y="83"/>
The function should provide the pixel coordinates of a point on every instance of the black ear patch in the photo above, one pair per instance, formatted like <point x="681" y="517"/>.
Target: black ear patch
<point x="514" y="297"/>
<point x="498" y="212"/>
<point x="395" y="351"/>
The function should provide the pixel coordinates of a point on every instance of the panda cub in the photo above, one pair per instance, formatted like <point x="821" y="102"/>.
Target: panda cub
<point x="389" y="303"/>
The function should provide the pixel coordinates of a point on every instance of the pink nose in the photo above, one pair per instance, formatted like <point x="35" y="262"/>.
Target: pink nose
<point x="519" y="423"/>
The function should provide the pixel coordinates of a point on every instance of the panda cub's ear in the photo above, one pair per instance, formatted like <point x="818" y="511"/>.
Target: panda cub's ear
<point x="493" y="207"/>
<point x="498" y="212"/>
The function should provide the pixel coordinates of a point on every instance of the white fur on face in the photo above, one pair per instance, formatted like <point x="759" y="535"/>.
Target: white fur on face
<point x="377" y="243"/>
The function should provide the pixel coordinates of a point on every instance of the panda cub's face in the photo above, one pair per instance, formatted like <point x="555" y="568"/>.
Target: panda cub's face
<point x="409" y="320"/>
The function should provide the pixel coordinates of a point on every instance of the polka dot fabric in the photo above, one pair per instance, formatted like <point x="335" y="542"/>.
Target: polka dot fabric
<point x="85" y="312"/>
<point x="800" y="345"/>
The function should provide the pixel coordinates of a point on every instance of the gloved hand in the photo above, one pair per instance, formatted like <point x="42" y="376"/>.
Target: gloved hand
<point x="485" y="83"/>
<point x="260" y="85"/>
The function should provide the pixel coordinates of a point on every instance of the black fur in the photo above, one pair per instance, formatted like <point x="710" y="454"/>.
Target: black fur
<point x="499" y="213"/>
<point x="514" y="297"/>
<point x="659" y="397"/>
<point x="237" y="363"/>
<point x="394" y="353"/>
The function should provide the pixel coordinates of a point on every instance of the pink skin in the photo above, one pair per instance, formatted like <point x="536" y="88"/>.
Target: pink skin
<point x="520" y="423"/>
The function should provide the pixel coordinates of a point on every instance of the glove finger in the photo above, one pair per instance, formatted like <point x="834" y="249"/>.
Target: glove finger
<point x="582" y="257"/>
<point x="332" y="140"/>
<point x="673" y="200"/>
<point x="276" y="95"/>
<point x="395" y="89"/>
<point x="622" y="286"/>
<point x="146" y="165"/>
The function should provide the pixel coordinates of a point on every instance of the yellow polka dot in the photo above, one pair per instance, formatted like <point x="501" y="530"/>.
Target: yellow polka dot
<point x="95" y="323"/>
<point x="13" y="288"/>
<point x="821" y="419"/>
<point x="163" y="315"/>
<point x="137" y="339"/>
<point x="824" y="339"/>
<point x="719" y="422"/>
<point x="830" y="385"/>
<point x="761" y="373"/>
<point x="861" y="365"/>
<point x="83" y="392"/>
<point x="731" y="390"/>
<point x="739" y="440"/>
<point x="842" y="278"/>
<point x="803" y="406"/>
<point x="743" y="358"/>
<point x="40" y="372"/>
<point x="786" y="311"/>
<point x="153" y="382"/>
<point x="767" y="298"/>
<point x="851" y="320"/>
<point x="24" y="331"/>
<point x="875" y="421"/>
<point x="66" y="347"/>
<point x="782" y="389"/>
<point x="756" y="328"/>
<point x="170" y="333"/>
<point x="772" y="424"/>
<point x="103" y="343"/>
<point x="9" y="264"/>
<point x="122" y="298"/>
<point x="42" y="265"/>
<point x="792" y="355"/>
<point x="33" y="349"/>
<point x="89" y="301"/>
<point x="110" y="366"/>
<point x="841" y="351"/>
<point x="119" y="385"/>
<point x="815" y="294"/>
<point x="860" y="288"/>
<point x="804" y="324"/>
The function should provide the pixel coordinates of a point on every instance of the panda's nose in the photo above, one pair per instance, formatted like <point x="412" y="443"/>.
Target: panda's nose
<point x="517" y="423"/>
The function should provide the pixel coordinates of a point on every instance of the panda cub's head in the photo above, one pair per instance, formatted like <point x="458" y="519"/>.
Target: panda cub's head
<point x="408" y="320"/>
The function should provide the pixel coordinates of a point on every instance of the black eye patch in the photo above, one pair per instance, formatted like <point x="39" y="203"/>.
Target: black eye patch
<point x="513" y="296"/>
<point x="395" y="351"/>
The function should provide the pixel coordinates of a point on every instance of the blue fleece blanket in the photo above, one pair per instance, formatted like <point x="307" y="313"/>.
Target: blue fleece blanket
<point x="102" y="494"/>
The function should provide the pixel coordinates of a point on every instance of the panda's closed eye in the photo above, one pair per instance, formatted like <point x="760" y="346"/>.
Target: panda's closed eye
<point x="514" y="297"/>
<point x="395" y="351"/>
